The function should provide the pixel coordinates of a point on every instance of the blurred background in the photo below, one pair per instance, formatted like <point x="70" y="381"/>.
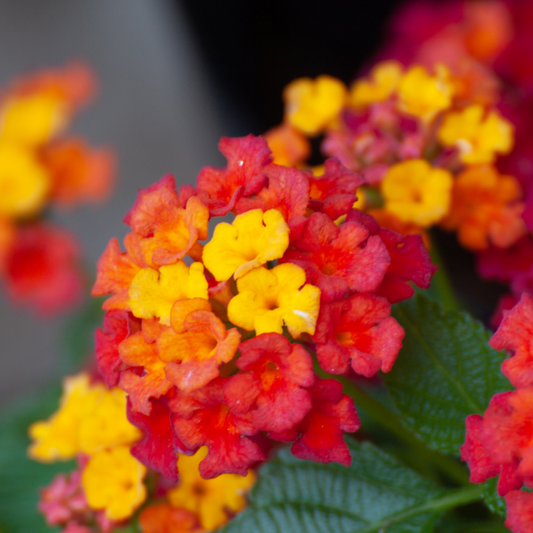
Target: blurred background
<point x="174" y="77"/>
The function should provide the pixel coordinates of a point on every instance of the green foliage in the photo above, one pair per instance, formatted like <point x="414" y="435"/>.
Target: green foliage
<point x="445" y="371"/>
<point x="20" y="477"/>
<point x="493" y="500"/>
<point x="375" y="493"/>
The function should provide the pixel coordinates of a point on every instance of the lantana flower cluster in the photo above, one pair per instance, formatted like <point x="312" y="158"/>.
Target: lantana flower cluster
<point x="479" y="40"/>
<point x="214" y="342"/>
<point x="426" y="142"/>
<point x="110" y="485"/>
<point x="40" y="166"/>
<point x="500" y="443"/>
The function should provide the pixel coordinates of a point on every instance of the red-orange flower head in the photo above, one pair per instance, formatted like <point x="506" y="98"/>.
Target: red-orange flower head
<point x="200" y="330"/>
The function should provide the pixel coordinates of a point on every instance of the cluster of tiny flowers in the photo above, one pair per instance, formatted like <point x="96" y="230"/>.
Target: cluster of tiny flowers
<point x="426" y="143"/>
<point x="488" y="44"/>
<point x="40" y="166"/>
<point x="110" y="485"/>
<point x="500" y="443"/>
<point x="214" y="342"/>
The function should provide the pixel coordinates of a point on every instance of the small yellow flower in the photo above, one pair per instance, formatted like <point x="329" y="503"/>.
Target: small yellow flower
<point x="152" y="293"/>
<point x="311" y="105"/>
<point x="269" y="298"/>
<point x="249" y="242"/>
<point x="478" y="137"/>
<point x="32" y="120"/>
<point x="379" y="86"/>
<point x="90" y="418"/>
<point x="24" y="182"/>
<point x="113" y="481"/>
<point x="416" y="192"/>
<point x="424" y="95"/>
<point x="209" y="498"/>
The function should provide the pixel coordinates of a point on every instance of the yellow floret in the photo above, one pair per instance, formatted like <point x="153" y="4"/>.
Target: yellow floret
<point x="424" y="95"/>
<point x="32" y="120"/>
<point x="416" y="192"/>
<point x="268" y="299"/>
<point x="113" y="482"/>
<point x="152" y="294"/>
<point x="210" y="499"/>
<point x="249" y="242"/>
<point x="311" y="105"/>
<point x="24" y="182"/>
<point x="90" y="418"/>
<point x="379" y="86"/>
<point x="477" y="137"/>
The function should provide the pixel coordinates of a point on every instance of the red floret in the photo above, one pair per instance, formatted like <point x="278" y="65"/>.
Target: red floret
<point x="410" y="260"/>
<point x="321" y="431"/>
<point x="519" y="511"/>
<point x="481" y="466"/>
<point x="334" y="193"/>
<point x="160" y="445"/>
<point x="202" y="418"/>
<point x="339" y="260"/>
<point x="42" y="269"/>
<point x="247" y="156"/>
<point x="118" y="325"/>
<point x="276" y="371"/>
<point x="359" y="330"/>
<point x="516" y="335"/>
<point x="287" y="191"/>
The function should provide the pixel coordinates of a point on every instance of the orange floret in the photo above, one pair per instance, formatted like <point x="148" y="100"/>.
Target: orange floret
<point x="136" y="352"/>
<point x="210" y="499"/>
<point x="486" y="208"/>
<point x="289" y="147"/>
<point x="253" y="238"/>
<point x="268" y="299"/>
<point x="152" y="293"/>
<point x="116" y="269"/>
<point x="417" y="193"/>
<point x="24" y="181"/>
<point x="379" y="86"/>
<point x="424" y="95"/>
<point x="163" y="518"/>
<point x="478" y="136"/>
<point x="312" y="105"/>
<point x="196" y="345"/>
<point x="79" y="172"/>
<point x="113" y="482"/>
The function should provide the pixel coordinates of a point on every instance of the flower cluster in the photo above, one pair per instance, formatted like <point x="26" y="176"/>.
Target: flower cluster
<point x="109" y="484"/>
<point x="478" y="41"/>
<point x="426" y="142"/>
<point x="213" y="342"/>
<point x="500" y="441"/>
<point x="40" y="166"/>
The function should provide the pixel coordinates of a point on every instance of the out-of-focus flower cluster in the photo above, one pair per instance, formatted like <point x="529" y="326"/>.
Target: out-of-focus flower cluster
<point x="432" y="128"/>
<point x="40" y="167"/>
<point x="488" y="43"/>
<point x="214" y="343"/>
<point x="110" y="485"/>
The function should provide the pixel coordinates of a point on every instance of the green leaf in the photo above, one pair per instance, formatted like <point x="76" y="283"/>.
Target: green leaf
<point x="20" y="477"/>
<point x="376" y="493"/>
<point x="493" y="500"/>
<point x="445" y="371"/>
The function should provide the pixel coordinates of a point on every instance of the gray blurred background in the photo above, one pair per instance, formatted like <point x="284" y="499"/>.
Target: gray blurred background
<point x="156" y="107"/>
